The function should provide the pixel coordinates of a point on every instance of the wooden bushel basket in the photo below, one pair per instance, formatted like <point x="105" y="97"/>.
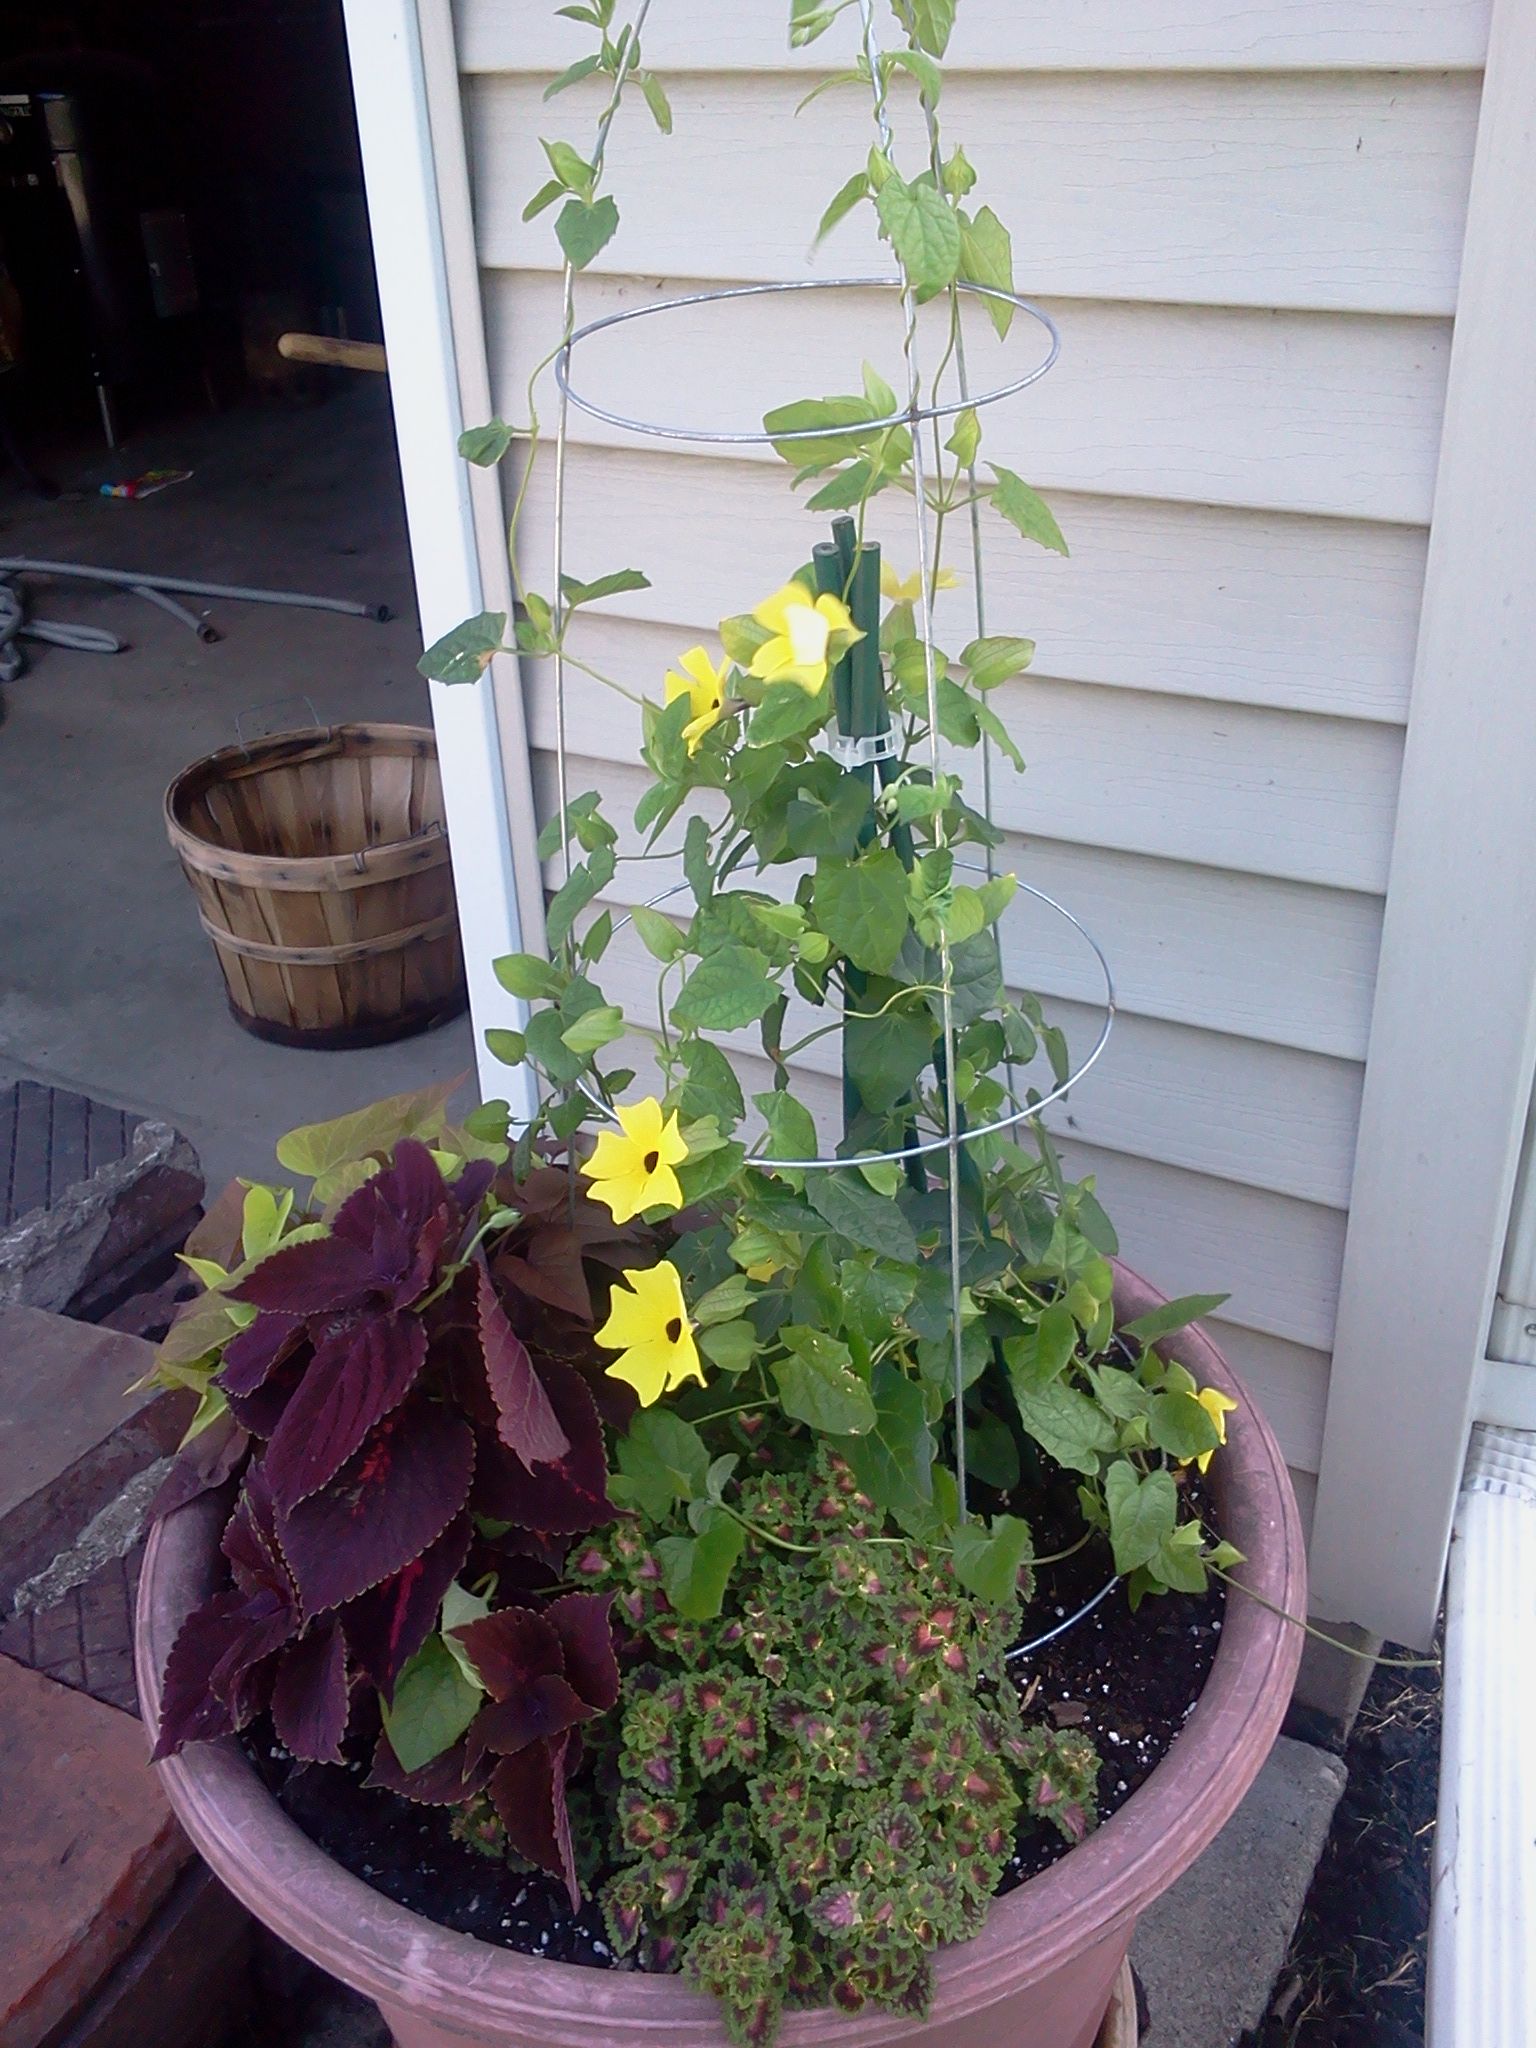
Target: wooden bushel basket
<point x="319" y="861"/>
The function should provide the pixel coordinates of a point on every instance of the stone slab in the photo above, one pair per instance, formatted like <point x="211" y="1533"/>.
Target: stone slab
<point x="71" y="1437"/>
<point x="186" y="1981"/>
<point x="88" y="1850"/>
<point x="1209" y="1951"/>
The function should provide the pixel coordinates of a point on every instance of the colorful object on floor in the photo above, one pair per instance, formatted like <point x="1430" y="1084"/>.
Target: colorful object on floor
<point x="146" y="485"/>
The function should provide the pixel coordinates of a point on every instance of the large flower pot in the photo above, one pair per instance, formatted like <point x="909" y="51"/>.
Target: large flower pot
<point x="1040" y="1974"/>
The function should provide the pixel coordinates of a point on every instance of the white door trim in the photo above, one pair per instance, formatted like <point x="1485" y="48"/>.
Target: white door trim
<point x="1453" y="1038"/>
<point x="416" y="177"/>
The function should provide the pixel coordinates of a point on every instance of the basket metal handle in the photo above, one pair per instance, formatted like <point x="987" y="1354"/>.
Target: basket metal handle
<point x="270" y="704"/>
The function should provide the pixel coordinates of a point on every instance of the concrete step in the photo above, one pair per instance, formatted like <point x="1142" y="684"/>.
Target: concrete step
<point x="1209" y="1951"/>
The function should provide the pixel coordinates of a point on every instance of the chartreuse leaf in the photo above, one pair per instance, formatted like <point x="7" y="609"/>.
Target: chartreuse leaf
<point x="464" y="655"/>
<point x="510" y="1047"/>
<point x="695" y="1570"/>
<point x="315" y="1149"/>
<point x="1024" y="508"/>
<point x="594" y="1029"/>
<point x="576" y="593"/>
<point x="818" y="1385"/>
<point x="929" y="23"/>
<point x="988" y="1560"/>
<point x="432" y="1705"/>
<point x="711" y="1088"/>
<point x="662" y="1459"/>
<point x="1142" y="1513"/>
<point x="1169" y="1316"/>
<point x="1039" y="1356"/>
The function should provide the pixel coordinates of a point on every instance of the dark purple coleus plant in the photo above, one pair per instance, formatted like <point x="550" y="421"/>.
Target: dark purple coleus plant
<point x="394" y="1415"/>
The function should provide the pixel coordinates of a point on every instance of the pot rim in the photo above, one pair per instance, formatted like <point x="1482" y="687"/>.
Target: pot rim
<point x="402" y="1959"/>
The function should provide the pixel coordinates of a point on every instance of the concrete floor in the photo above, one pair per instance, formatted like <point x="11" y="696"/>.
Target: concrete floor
<point x="107" y="984"/>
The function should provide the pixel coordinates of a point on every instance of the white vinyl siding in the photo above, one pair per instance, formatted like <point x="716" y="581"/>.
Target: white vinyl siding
<point x="1247" y="222"/>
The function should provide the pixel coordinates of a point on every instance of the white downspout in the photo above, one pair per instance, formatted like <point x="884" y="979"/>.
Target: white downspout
<point x="1482" y="1945"/>
<point x="389" y="89"/>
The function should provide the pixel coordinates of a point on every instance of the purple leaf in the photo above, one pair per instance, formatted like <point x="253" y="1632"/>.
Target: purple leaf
<point x="472" y="1186"/>
<point x="510" y="1649"/>
<point x="528" y="1792"/>
<point x="250" y="1356"/>
<point x="560" y="1499"/>
<point x="537" y="1712"/>
<point x="260" y="1412"/>
<point x="353" y="1381"/>
<point x="309" y="1694"/>
<point x="389" y="1503"/>
<point x="250" y="1543"/>
<point x="311" y="1279"/>
<point x="388" y="1625"/>
<point x="581" y="1622"/>
<point x="527" y="1425"/>
<point x="204" y="1692"/>
<point x="399" y="1222"/>
<point x="448" y="1780"/>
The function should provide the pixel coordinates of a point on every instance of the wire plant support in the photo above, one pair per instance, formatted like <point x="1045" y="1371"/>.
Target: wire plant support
<point x="863" y="746"/>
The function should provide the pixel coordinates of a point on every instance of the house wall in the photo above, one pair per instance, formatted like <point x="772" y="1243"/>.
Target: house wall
<point x="1247" y="221"/>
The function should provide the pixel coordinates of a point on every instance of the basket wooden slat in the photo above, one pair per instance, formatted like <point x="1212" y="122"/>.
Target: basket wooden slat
<point x="319" y="861"/>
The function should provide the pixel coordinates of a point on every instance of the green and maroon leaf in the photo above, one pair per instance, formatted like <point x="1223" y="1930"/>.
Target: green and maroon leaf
<point x="389" y="1503"/>
<point x="353" y="1381"/>
<point x="560" y="1499"/>
<point x="527" y="1423"/>
<point x="387" y="1625"/>
<point x="309" y="1694"/>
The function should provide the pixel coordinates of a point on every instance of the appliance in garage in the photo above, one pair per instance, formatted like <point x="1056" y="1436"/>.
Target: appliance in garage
<point x="94" y="231"/>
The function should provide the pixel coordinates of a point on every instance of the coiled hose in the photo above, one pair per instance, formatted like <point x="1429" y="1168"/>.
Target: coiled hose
<point x="15" y="627"/>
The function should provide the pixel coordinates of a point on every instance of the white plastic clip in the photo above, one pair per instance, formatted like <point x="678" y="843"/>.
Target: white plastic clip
<point x="860" y="752"/>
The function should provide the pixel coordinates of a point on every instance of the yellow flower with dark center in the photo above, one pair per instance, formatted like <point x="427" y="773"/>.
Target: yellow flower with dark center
<point x="909" y="589"/>
<point x="648" y="1326"/>
<point x="704" y="686"/>
<point x="631" y="1168"/>
<point x="1218" y="1406"/>
<point x="803" y="628"/>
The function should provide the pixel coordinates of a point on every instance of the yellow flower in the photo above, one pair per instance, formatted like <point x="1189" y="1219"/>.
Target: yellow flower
<point x="802" y="627"/>
<point x="631" y="1168"/>
<point x="908" y="591"/>
<point x="1218" y="1406"/>
<point x="704" y="685"/>
<point x="648" y="1324"/>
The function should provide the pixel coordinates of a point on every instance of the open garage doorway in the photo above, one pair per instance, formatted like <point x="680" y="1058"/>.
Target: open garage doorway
<point x="180" y="187"/>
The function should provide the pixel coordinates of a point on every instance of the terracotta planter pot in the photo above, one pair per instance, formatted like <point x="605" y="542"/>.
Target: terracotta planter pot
<point x="1040" y="1974"/>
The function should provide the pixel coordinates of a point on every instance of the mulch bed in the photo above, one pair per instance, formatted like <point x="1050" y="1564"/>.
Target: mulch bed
<point x="1355" y="1974"/>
